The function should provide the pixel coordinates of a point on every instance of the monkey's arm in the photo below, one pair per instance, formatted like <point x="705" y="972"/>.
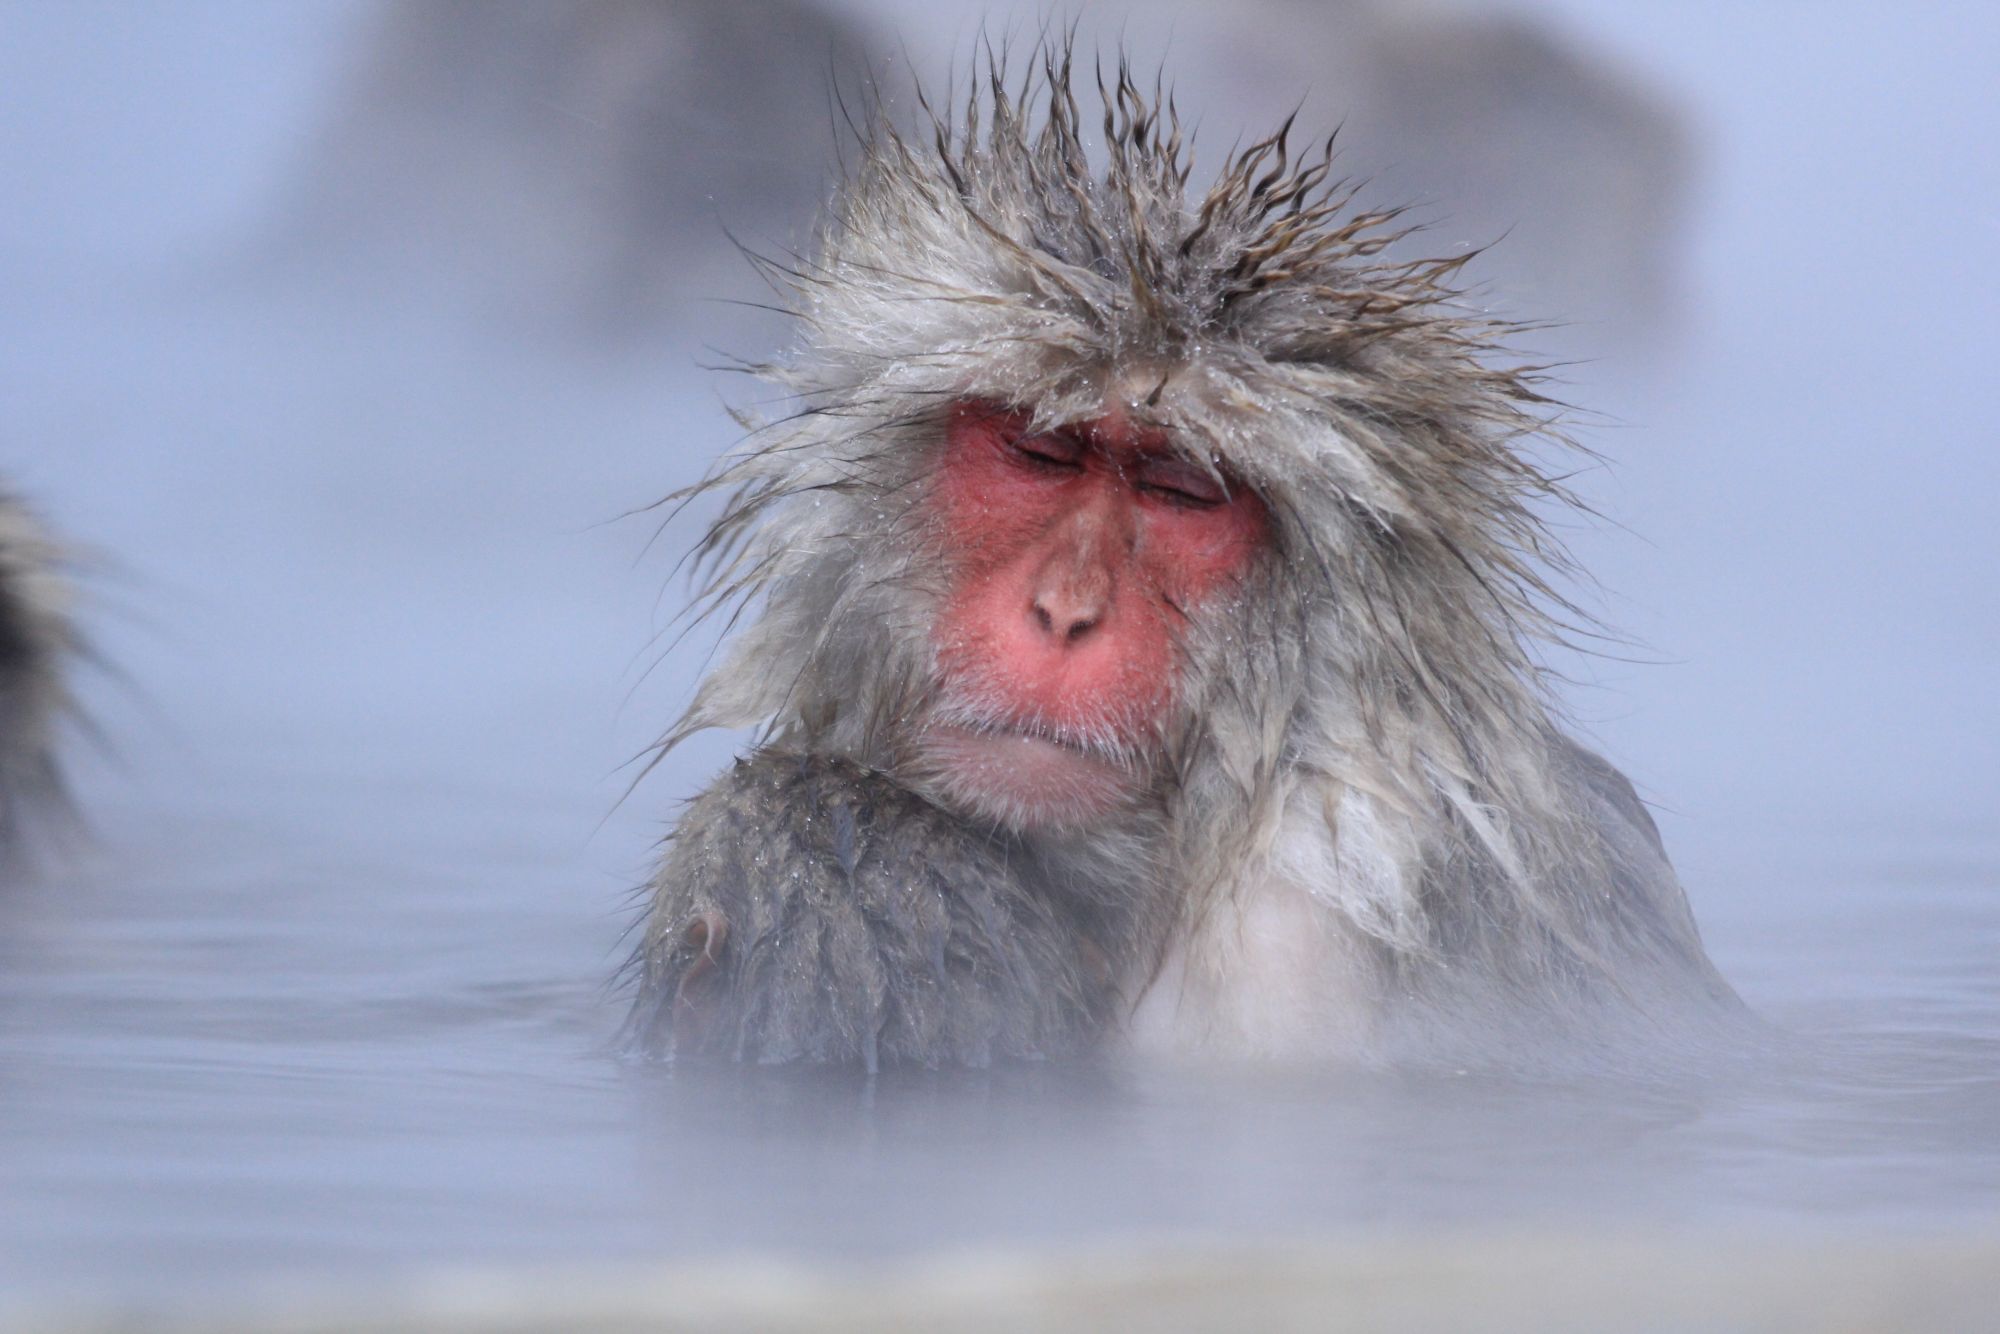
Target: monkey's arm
<point x="812" y="910"/>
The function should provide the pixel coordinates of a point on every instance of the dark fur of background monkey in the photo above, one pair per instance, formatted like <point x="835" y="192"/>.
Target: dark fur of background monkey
<point x="36" y="643"/>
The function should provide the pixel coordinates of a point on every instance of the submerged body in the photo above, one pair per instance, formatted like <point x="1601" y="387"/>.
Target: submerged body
<point x="1171" y="569"/>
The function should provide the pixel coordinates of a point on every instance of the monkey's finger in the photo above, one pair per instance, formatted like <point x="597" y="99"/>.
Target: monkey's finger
<point x="705" y="937"/>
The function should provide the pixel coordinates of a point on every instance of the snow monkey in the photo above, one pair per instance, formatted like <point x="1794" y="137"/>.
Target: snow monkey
<point x="35" y="640"/>
<point x="1141" y="610"/>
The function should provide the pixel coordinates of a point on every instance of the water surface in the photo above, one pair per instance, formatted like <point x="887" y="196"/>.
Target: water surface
<point x="234" y="1051"/>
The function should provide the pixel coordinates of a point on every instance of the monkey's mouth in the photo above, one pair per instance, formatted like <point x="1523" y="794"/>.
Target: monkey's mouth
<point x="1026" y="777"/>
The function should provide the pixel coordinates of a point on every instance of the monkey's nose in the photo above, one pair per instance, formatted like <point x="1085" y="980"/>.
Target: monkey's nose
<point x="1066" y="614"/>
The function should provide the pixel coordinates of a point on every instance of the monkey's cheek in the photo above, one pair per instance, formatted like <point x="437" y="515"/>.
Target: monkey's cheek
<point x="1025" y="782"/>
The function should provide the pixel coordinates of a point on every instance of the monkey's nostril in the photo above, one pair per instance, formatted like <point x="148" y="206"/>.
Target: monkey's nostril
<point x="1060" y="619"/>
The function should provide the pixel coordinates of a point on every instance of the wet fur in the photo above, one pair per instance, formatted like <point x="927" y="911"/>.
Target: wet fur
<point x="862" y="923"/>
<point x="1365" y="729"/>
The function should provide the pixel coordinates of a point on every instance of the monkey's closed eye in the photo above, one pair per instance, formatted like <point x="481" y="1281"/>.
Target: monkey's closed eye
<point x="1181" y="484"/>
<point x="1050" y="451"/>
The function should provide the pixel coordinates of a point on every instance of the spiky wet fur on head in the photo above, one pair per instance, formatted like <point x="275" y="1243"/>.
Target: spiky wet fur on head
<point x="1368" y="715"/>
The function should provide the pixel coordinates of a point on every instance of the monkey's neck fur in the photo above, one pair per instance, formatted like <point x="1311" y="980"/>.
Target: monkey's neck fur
<point x="1365" y="776"/>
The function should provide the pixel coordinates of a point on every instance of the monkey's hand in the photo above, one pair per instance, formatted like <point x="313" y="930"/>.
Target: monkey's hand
<point x="813" y="910"/>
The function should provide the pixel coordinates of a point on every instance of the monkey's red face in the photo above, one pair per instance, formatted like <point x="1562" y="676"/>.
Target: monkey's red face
<point x="1075" y="561"/>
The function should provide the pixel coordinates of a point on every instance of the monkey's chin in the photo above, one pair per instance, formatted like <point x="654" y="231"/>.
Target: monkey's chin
<point x="1025" y="782"/>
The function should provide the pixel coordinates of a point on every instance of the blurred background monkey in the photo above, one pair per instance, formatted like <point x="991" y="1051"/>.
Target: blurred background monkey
<point x="1145" y="598"/>
<point x="36" y="640"/>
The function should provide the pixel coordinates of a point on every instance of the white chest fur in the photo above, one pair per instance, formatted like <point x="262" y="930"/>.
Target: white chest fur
<point x="1281" y="966"/>
<point x="1270" y="974"/>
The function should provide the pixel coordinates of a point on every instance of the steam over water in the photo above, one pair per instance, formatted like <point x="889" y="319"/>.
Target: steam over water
<point x="328" y="990"/>
<point x="230" y="1053"/>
